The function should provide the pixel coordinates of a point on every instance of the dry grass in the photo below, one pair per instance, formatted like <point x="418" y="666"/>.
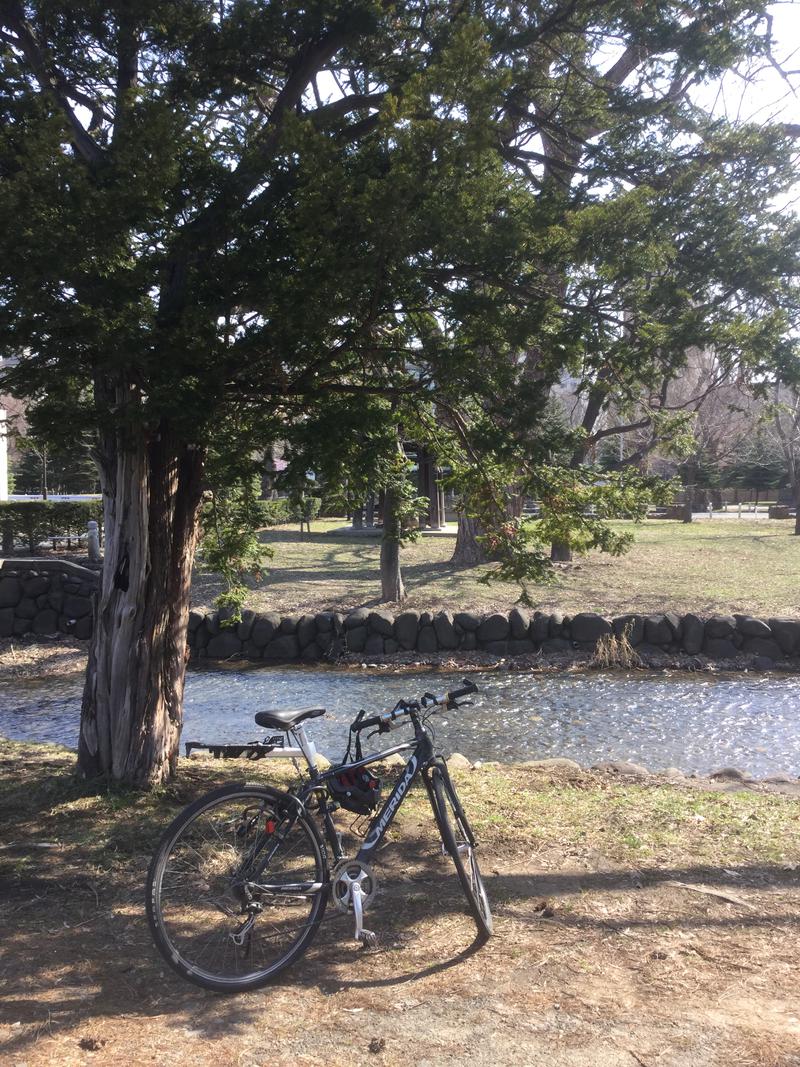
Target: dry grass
<point x="710" y="566"/>
<point x="639" y="923"/>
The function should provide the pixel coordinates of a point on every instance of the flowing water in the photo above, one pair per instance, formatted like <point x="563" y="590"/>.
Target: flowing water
<point x="693" y="722"/>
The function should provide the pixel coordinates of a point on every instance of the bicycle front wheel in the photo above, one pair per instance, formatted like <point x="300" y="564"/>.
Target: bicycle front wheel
<point x="460" y="844"/>
<point x="237" y="887"/>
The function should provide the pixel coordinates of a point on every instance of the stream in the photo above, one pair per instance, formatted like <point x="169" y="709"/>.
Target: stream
<point x="697" y="723"/>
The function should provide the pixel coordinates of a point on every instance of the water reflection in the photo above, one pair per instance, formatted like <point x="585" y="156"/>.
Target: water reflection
<point x="696" y="723"/>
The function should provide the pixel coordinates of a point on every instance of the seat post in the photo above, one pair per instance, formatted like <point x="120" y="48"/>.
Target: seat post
<point x="307" y="746"/>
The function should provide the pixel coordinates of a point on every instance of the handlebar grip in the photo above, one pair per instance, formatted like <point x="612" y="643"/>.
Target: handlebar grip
<point x="457" y="694"/>
<point x="365" y="724"/>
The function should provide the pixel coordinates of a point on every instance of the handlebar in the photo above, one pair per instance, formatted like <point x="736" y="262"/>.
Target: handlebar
<point x="389" y="720"/>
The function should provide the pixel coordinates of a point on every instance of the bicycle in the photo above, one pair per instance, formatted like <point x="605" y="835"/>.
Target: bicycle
<point x="239" y="883"/>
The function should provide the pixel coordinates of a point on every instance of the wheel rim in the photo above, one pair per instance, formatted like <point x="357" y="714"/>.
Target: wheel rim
<point x="223" y="918"/>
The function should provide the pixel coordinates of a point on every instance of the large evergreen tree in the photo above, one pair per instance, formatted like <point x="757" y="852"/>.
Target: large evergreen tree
<point x="219" y="216"/>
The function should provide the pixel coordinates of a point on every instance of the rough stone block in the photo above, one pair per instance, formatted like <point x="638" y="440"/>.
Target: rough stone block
<point x="763" y="646"/>
<point x="390" y="646"/>
<point x="356" y="639"/>
<point x="251" y="651"/>
<point x="6" y="622"/>
<point x="306" y="630"/>
<point x="224" y="645"/>
<point x="721" y="626"/>
<point x="493" y="628"/>
<point x="324" y="641"/>
<point x="719" y="647"/>
<point x="289" y="624"/>
<point x="381" y="622"/>
<point x="406" y="627"/>
<point x="77" y="606"/>
<point x="556" y="624"/>
<point x="469" y="641"/>
<point x="693" y="631"/>
<point x="657" y="631"/>
<point x="540" y="627"/>
<point x="520" y="646"/>
<point x="520" y="622"/>
<point x="374" y="645"/>
<point x="26" y="609"/>
<point x="284" y="647"/>
<point x="22" y="626"/>
<point x="311" y="653"/>
<point x="750" y="627"/>
<point x="426" y="640"/>
<point x="196" y="619"/>
<point x="245" y="628"/>
<point x="264" y="629"/>
<point x="82" y="628"/>
<point x="36" y="585"/>
<point x="10" y="592"/>
<point x="632" y="625"/>
<point x="588" y="626"/>
<point x="674" y="623"/>
<point x="426" y="619"/>
<point x="356" y="618"/>
<point x="468" y="620"/>
<point x="445" y="630"/>
<point x="557" y="644"/>
<point x="46" y="622"/>
<point x="496" y="648"/>
<point x="787" y="633"/>
<point x="324" y="621"/>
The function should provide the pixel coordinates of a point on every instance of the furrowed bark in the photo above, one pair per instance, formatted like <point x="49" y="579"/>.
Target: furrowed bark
<point x="133" y="696"/>
<point x="468" y="551"/>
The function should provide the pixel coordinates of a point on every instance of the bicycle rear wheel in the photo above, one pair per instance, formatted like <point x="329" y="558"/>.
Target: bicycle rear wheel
<point x="237" y="888"/>
<point x="460" y="844"/>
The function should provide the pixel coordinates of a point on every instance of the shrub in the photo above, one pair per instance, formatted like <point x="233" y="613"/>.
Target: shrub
<point x="34" y="521"/>
<point x="285" y="510"/>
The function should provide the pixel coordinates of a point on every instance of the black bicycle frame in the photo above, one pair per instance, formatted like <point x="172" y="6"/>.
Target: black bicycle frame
<point x="420" y="759"/>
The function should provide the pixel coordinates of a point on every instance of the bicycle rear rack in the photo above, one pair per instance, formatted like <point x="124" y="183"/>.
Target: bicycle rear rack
<point x="274" y="746"/>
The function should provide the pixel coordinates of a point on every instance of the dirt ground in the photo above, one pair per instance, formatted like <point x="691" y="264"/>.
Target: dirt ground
<point x="635" y="925"/>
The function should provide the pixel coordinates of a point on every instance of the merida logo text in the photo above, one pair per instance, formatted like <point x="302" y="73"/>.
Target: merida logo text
<point x="372" y="839"/>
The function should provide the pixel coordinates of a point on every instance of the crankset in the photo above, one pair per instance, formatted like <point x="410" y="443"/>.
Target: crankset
<point x="354" y="886"/>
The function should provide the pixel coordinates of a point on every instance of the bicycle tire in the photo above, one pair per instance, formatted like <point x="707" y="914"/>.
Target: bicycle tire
<point x="223" y="842"/>
<point x="458" y="840"/>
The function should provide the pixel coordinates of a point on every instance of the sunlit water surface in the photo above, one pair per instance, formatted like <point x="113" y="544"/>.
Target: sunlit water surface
<point x="693" y="722"/>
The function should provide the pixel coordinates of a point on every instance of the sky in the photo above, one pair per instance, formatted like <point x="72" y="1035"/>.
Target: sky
<point x="768" y="94"/>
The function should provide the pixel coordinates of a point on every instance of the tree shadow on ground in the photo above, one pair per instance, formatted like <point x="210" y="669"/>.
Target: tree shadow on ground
<point x="79" y="949"/>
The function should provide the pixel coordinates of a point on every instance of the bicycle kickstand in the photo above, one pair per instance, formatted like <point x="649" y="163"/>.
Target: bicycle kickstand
<point x="368" y="937"/>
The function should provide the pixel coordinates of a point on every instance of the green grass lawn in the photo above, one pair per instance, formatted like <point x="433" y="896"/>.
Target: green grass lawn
<point x="709" y="566"/>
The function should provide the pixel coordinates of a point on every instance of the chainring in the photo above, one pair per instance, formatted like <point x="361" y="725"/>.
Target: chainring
<point x="343" y="875"/>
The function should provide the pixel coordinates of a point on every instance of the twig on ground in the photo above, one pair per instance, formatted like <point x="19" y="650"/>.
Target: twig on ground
<point x="730" y="898"/>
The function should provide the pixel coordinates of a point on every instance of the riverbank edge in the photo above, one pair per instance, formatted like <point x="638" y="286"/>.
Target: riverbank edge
<point x="557" y="769"/>
<point x="29" y="657"/>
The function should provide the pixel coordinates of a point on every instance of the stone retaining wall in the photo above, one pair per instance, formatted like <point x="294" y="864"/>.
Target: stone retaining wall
<point x="51" y="596"/>
<point x="329" y="635"/>
<point x="46" y="597"/>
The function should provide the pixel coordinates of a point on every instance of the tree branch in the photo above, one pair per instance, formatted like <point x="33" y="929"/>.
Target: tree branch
<point x="51" y="81"/>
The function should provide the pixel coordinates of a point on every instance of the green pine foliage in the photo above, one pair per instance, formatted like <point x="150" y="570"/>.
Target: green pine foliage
<point x="240" y="222"/>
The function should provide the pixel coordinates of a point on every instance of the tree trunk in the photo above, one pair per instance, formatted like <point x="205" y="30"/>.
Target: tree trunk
<point x="392" y="588"/>
<point x="468" y="551"/>
<point x="133" y="696"/>
<point x="560" y="552"/>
